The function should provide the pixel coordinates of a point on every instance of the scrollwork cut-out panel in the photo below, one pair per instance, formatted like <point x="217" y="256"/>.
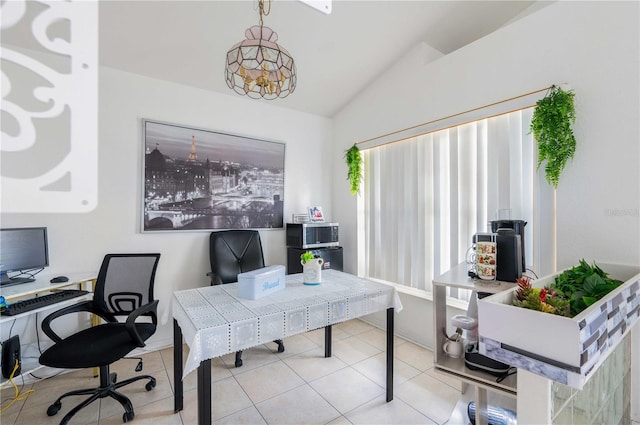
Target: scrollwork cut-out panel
<point x="49" y="83"/>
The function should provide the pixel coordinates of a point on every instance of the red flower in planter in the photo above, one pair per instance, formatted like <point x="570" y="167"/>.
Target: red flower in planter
<point x="524" y="288"/>
<point x="543" y="295"/>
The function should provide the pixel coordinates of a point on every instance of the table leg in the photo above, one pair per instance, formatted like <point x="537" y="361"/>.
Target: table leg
<point x="327" y="341"/>
<point x="177" y="367"/>
<point x="390" y="332"/>
<point x="204" y="392"/>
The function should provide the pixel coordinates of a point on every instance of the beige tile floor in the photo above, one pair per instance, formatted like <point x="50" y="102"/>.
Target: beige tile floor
<point x="298" y="386"/>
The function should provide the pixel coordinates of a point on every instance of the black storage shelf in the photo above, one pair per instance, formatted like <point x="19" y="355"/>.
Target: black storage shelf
<point x="332" y="257"/>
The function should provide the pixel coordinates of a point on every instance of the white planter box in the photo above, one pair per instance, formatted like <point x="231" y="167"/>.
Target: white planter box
<point x="261" y="282"/>
<point x="566" y="350"/>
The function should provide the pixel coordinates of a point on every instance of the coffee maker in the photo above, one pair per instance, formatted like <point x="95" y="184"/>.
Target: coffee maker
<point x="509" y="228"/>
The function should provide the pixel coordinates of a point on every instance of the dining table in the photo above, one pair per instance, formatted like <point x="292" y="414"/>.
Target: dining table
<point x="214" y="321"/>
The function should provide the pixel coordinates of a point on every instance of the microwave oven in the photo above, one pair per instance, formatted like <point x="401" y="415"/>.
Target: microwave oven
<point x="312" y="235"/>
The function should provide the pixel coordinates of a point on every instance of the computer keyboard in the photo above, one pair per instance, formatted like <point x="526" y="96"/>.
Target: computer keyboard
<point x="41" y="301"/>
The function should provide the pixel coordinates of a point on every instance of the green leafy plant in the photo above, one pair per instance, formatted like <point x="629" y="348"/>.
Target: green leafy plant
<point x="354" y="163"/>
<point x="306" y="256"/>
<point x="572" y="292"/>
<point x="551" y="126"/>
<point x="583" y="285"/>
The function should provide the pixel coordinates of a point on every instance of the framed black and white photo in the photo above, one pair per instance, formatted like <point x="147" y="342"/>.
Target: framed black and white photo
<point x="197" y="179"/>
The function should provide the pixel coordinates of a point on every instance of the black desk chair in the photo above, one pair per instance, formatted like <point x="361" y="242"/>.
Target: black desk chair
<point x="124" y="288"/>
<point x="232" y="252"/>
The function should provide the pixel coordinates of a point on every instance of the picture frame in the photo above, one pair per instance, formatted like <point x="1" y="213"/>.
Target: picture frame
<point x="316" y="215"/>
<point x="196" y="179"/>
<point x="300" y="218"/>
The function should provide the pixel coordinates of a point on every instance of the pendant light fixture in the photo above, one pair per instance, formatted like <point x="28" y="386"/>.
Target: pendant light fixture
<point x="257" y="66"/>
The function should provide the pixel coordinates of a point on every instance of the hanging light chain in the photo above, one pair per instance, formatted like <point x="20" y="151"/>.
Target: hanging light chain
<point x="264" y="12"/>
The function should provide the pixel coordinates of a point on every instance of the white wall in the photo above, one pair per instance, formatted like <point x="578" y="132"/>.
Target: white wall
<point x="592" y="46"/>
<point x="77" y="242"/>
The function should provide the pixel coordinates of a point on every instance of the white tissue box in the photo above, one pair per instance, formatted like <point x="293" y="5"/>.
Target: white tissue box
<point x="261" y="282"/>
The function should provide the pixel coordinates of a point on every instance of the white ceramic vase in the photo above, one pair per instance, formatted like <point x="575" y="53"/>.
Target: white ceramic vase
<point x="312" y="271"/>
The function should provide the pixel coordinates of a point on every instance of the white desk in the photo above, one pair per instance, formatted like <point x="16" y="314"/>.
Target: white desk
<point x="41" y="286"/>
<point x="215" y="322"/>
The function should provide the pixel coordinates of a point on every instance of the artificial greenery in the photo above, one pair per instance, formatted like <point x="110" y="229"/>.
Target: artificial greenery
<point x="540" y="299"/>
<point x="572" y="292"/>
<point x="306" y="256"/>
<point x="551" y="125"/>
<point x="354" y="164"/>
<point x="583" y="285"/>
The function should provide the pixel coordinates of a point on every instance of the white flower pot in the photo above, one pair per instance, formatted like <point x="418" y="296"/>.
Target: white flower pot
<point x="312" y="271"/>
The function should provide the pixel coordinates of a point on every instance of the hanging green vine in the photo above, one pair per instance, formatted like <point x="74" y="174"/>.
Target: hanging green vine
<point x="354" y="163"/>
<point x="551" y="125"/>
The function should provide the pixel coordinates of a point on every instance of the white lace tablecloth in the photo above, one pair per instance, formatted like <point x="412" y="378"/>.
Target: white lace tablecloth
<point x="215" y="321"/>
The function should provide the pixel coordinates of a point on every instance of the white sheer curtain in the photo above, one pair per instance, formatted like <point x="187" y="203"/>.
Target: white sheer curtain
<point x="425" y="197"/>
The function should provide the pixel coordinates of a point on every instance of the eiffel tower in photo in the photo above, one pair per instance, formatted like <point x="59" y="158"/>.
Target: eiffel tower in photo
<point x="193" y="156"/>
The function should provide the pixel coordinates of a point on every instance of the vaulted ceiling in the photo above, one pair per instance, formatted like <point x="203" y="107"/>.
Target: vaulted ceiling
<point x="336" y="55"/>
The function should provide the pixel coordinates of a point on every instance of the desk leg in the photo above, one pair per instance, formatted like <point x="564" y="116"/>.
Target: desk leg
<point x="327" y="341"/>
<point x="177" y="367"/>
<point x="204" y="392"/>
<point x="95" y="321"/>
<point x="390" y="332"/>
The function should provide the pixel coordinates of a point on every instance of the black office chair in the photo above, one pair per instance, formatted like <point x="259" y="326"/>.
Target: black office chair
<point x="232" y="252"/>
<point x="124" y="288"/>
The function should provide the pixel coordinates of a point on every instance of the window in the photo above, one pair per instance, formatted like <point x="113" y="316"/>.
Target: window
<point x="424" y="197"/>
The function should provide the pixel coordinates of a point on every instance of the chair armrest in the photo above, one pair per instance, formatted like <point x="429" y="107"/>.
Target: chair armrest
<point x="86" y="306"/>
<point x="131" y="320"/>
<point x="215" y="278"/>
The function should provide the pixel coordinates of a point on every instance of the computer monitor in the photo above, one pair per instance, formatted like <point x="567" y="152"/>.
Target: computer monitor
<point x="22" y="250"/>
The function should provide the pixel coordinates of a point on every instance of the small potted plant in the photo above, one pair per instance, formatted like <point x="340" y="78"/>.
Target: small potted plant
<point x="311" y="268"/>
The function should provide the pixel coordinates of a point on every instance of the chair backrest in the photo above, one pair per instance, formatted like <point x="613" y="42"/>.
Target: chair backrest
<point x="125" y="282"/>
<point x="232" y="252"/>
